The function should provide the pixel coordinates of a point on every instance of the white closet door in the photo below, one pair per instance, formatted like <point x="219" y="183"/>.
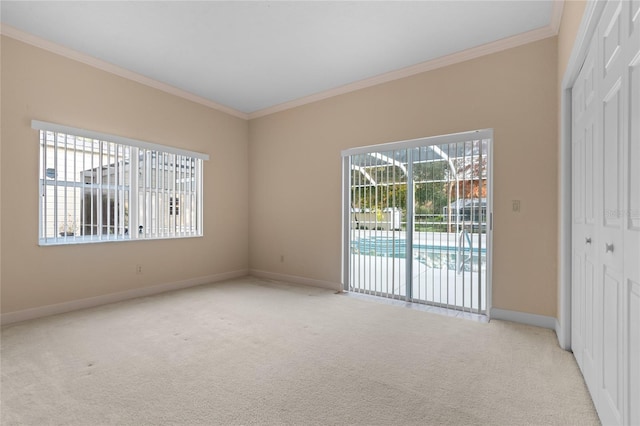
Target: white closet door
<point x="631" y="154"/>
<point x="606" y="215"/>
<point x="586" y="208"/>
<point x="611" y="283"/>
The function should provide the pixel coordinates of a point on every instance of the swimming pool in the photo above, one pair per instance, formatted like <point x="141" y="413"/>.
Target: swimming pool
<point x="432" y="255"/>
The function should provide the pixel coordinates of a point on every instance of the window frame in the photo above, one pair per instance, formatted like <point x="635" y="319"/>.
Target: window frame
<point x="140" y="195"/>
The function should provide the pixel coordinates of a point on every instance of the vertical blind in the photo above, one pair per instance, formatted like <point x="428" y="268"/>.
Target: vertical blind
<point x="96" y="187"/>
<point x="417" y="220"/>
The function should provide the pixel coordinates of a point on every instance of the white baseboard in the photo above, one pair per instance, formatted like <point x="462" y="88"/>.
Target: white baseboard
<point x="496" y="313"/>
<point x="295" y="279"/>
<point x="524" y="318"/>
<point x="90" y="302"/>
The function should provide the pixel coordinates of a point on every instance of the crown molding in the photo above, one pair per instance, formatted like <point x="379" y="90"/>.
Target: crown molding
<point x="455" y="58"/>
<point x="47" y="45"/>
<point x="556" y="15"/>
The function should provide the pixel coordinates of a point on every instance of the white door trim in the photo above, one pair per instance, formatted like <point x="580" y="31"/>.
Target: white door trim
<point x="590" y="19"/>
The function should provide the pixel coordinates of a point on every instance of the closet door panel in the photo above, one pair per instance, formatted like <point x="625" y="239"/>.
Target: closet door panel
<point x="632" y="219"/>
<point x="613" y="92"/>
<point x="585" y="210"/>
<point x="633" y="355"/>
<point x="611" y="385"/>
<point x="633" y="149"/>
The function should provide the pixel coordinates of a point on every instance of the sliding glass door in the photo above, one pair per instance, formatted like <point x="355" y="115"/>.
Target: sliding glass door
<point x="417" y="220"/>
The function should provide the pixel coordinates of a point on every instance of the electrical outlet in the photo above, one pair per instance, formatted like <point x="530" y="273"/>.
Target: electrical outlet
<point x="138" y="269"/>
<point x="515" y="205"/>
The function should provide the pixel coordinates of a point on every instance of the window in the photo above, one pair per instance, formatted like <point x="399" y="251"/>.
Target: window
<point x="96" y="187"/>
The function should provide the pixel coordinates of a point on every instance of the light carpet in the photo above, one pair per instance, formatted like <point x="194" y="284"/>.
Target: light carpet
<point x="251" y="351"/>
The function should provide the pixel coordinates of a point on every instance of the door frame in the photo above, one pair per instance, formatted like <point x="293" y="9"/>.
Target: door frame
<point x="590" y="19"/>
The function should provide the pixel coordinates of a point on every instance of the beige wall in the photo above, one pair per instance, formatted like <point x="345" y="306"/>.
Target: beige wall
<point x="40" y="85"/>
<point x="286" y="167"/>
<point x="295" y="166"/>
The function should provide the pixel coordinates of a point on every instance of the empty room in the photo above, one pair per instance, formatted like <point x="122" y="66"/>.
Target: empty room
<point x="323" y="212"/>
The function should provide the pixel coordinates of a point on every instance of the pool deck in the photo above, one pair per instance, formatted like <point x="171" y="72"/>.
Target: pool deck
<point x="433" y="282"/>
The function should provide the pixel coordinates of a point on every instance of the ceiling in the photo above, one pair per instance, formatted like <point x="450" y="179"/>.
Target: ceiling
<point x="254" y="56"/>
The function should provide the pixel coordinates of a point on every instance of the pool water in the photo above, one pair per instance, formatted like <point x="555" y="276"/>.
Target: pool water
<point x="433" y="256"/>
